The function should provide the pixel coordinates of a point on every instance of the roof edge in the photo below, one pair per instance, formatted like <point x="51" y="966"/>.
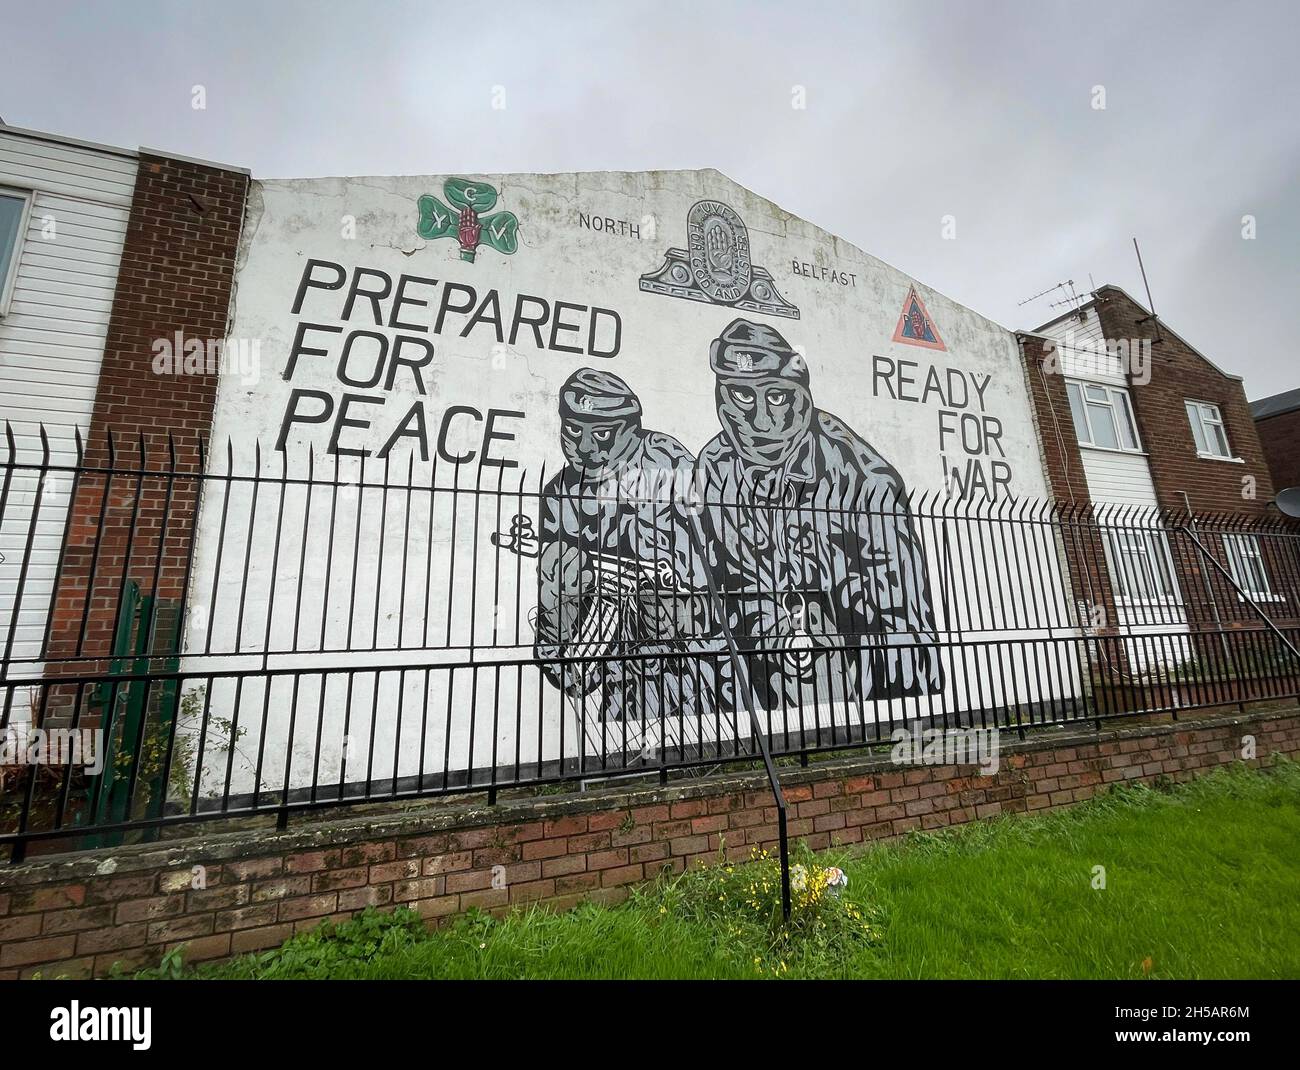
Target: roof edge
<point x="60" y="139"/>
<point x="1259" y="409"/>
<point x="1194" y="349"/>
<point x="1119" y="289"/>
<point x="117" y="150"/>
<point x="164" y="154"/>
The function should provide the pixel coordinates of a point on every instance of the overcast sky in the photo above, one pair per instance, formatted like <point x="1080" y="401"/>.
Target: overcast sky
<point x="914" y="111"/>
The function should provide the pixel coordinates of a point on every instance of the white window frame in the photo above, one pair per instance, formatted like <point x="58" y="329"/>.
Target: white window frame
<point x="1203" y="416"/>
<point x="1143" y="569"/>
<point x="8" y="284"/>
<point x="1117" y="399"/>
<point x="1240" y="548"/>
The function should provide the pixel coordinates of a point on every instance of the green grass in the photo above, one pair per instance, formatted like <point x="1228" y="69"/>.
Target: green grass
<point x="1201" y="881"/>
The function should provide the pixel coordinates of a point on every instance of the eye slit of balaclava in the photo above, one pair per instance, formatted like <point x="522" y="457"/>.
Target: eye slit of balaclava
<point x="765" y="421"/>
<point x="595" y="448"/>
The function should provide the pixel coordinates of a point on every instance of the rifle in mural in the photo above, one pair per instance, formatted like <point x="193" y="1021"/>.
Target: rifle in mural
<point x="465" y="221"/>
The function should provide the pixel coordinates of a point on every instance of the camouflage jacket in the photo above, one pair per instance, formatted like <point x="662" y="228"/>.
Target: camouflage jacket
<point x="823" y="546"/>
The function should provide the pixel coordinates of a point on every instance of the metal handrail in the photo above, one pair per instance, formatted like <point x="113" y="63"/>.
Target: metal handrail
<point x="1245" y="595"/>
<point x="743" y="688"/>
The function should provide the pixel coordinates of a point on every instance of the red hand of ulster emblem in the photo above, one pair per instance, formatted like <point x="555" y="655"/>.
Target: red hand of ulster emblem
<point x="470" y="228"/>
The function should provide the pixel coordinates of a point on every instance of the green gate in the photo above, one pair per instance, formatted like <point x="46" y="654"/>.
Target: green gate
<point x="136" y="719"/>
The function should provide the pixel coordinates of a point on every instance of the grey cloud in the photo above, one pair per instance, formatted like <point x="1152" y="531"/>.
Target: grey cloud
<point x="914" y="111"/>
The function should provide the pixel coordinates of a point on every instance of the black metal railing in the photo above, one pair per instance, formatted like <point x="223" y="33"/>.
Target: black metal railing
<point x="270" y="634"/>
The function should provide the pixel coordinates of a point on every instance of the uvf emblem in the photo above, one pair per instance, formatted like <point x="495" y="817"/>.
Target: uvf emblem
<point x="717" y="267"/>
<point x="719" y="251"/>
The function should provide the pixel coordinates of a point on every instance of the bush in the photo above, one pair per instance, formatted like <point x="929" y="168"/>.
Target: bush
<point x="741" y="903"/>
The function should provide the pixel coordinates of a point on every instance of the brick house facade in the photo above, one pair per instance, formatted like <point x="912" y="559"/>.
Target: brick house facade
<point x="1240" y="483"/>
<point x="1138" y="425"/>
<point x="1277" y="422"/>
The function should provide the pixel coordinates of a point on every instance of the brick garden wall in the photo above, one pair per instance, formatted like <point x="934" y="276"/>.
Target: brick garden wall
<point x="78" y="915"/>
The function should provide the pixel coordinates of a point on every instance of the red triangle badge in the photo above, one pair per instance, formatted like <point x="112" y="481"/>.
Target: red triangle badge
<point x="915" y="327"/>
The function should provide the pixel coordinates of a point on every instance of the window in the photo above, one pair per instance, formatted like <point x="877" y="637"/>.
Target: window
<point x="1102" y="415"/>
<point x="13" y="221"/>
<point x="1246" y="563"/>
<point x="1141" y="566"/>
<point x="1207" y="430"/>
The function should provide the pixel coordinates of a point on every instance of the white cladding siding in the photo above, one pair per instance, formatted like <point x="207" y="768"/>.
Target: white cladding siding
<point x="1118" y="477"/>
<point x="1077" y="338"/>
<point x="52" y="343"/>
<point x="1113" y="476"/>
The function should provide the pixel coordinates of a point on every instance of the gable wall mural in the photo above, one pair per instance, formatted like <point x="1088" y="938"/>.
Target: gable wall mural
<point x="546" y="338"/>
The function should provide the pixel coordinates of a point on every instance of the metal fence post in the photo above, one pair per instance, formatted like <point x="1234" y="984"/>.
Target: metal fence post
<point x="743" y="689"/>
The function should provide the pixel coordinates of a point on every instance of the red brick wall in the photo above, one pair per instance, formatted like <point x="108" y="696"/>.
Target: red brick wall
<point x="1051" y="409"/>
<point x="1280" y="438"/>
<point x="176" y="274"/>
<point x="1179" y="374"/>
<point x="70" y="917"/>
<point x="1212" y="486"/>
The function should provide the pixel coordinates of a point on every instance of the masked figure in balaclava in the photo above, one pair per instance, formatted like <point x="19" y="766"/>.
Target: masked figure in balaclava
<point x="617" y="571"/>
<point x="811" y="539"/>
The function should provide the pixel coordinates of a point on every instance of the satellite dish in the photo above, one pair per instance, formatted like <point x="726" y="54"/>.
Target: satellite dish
<point x="1289" y="501"/>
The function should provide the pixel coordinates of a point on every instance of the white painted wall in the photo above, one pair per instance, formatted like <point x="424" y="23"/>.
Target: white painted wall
<point x="52" y="342"/>
<point x="845" y="327"/>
